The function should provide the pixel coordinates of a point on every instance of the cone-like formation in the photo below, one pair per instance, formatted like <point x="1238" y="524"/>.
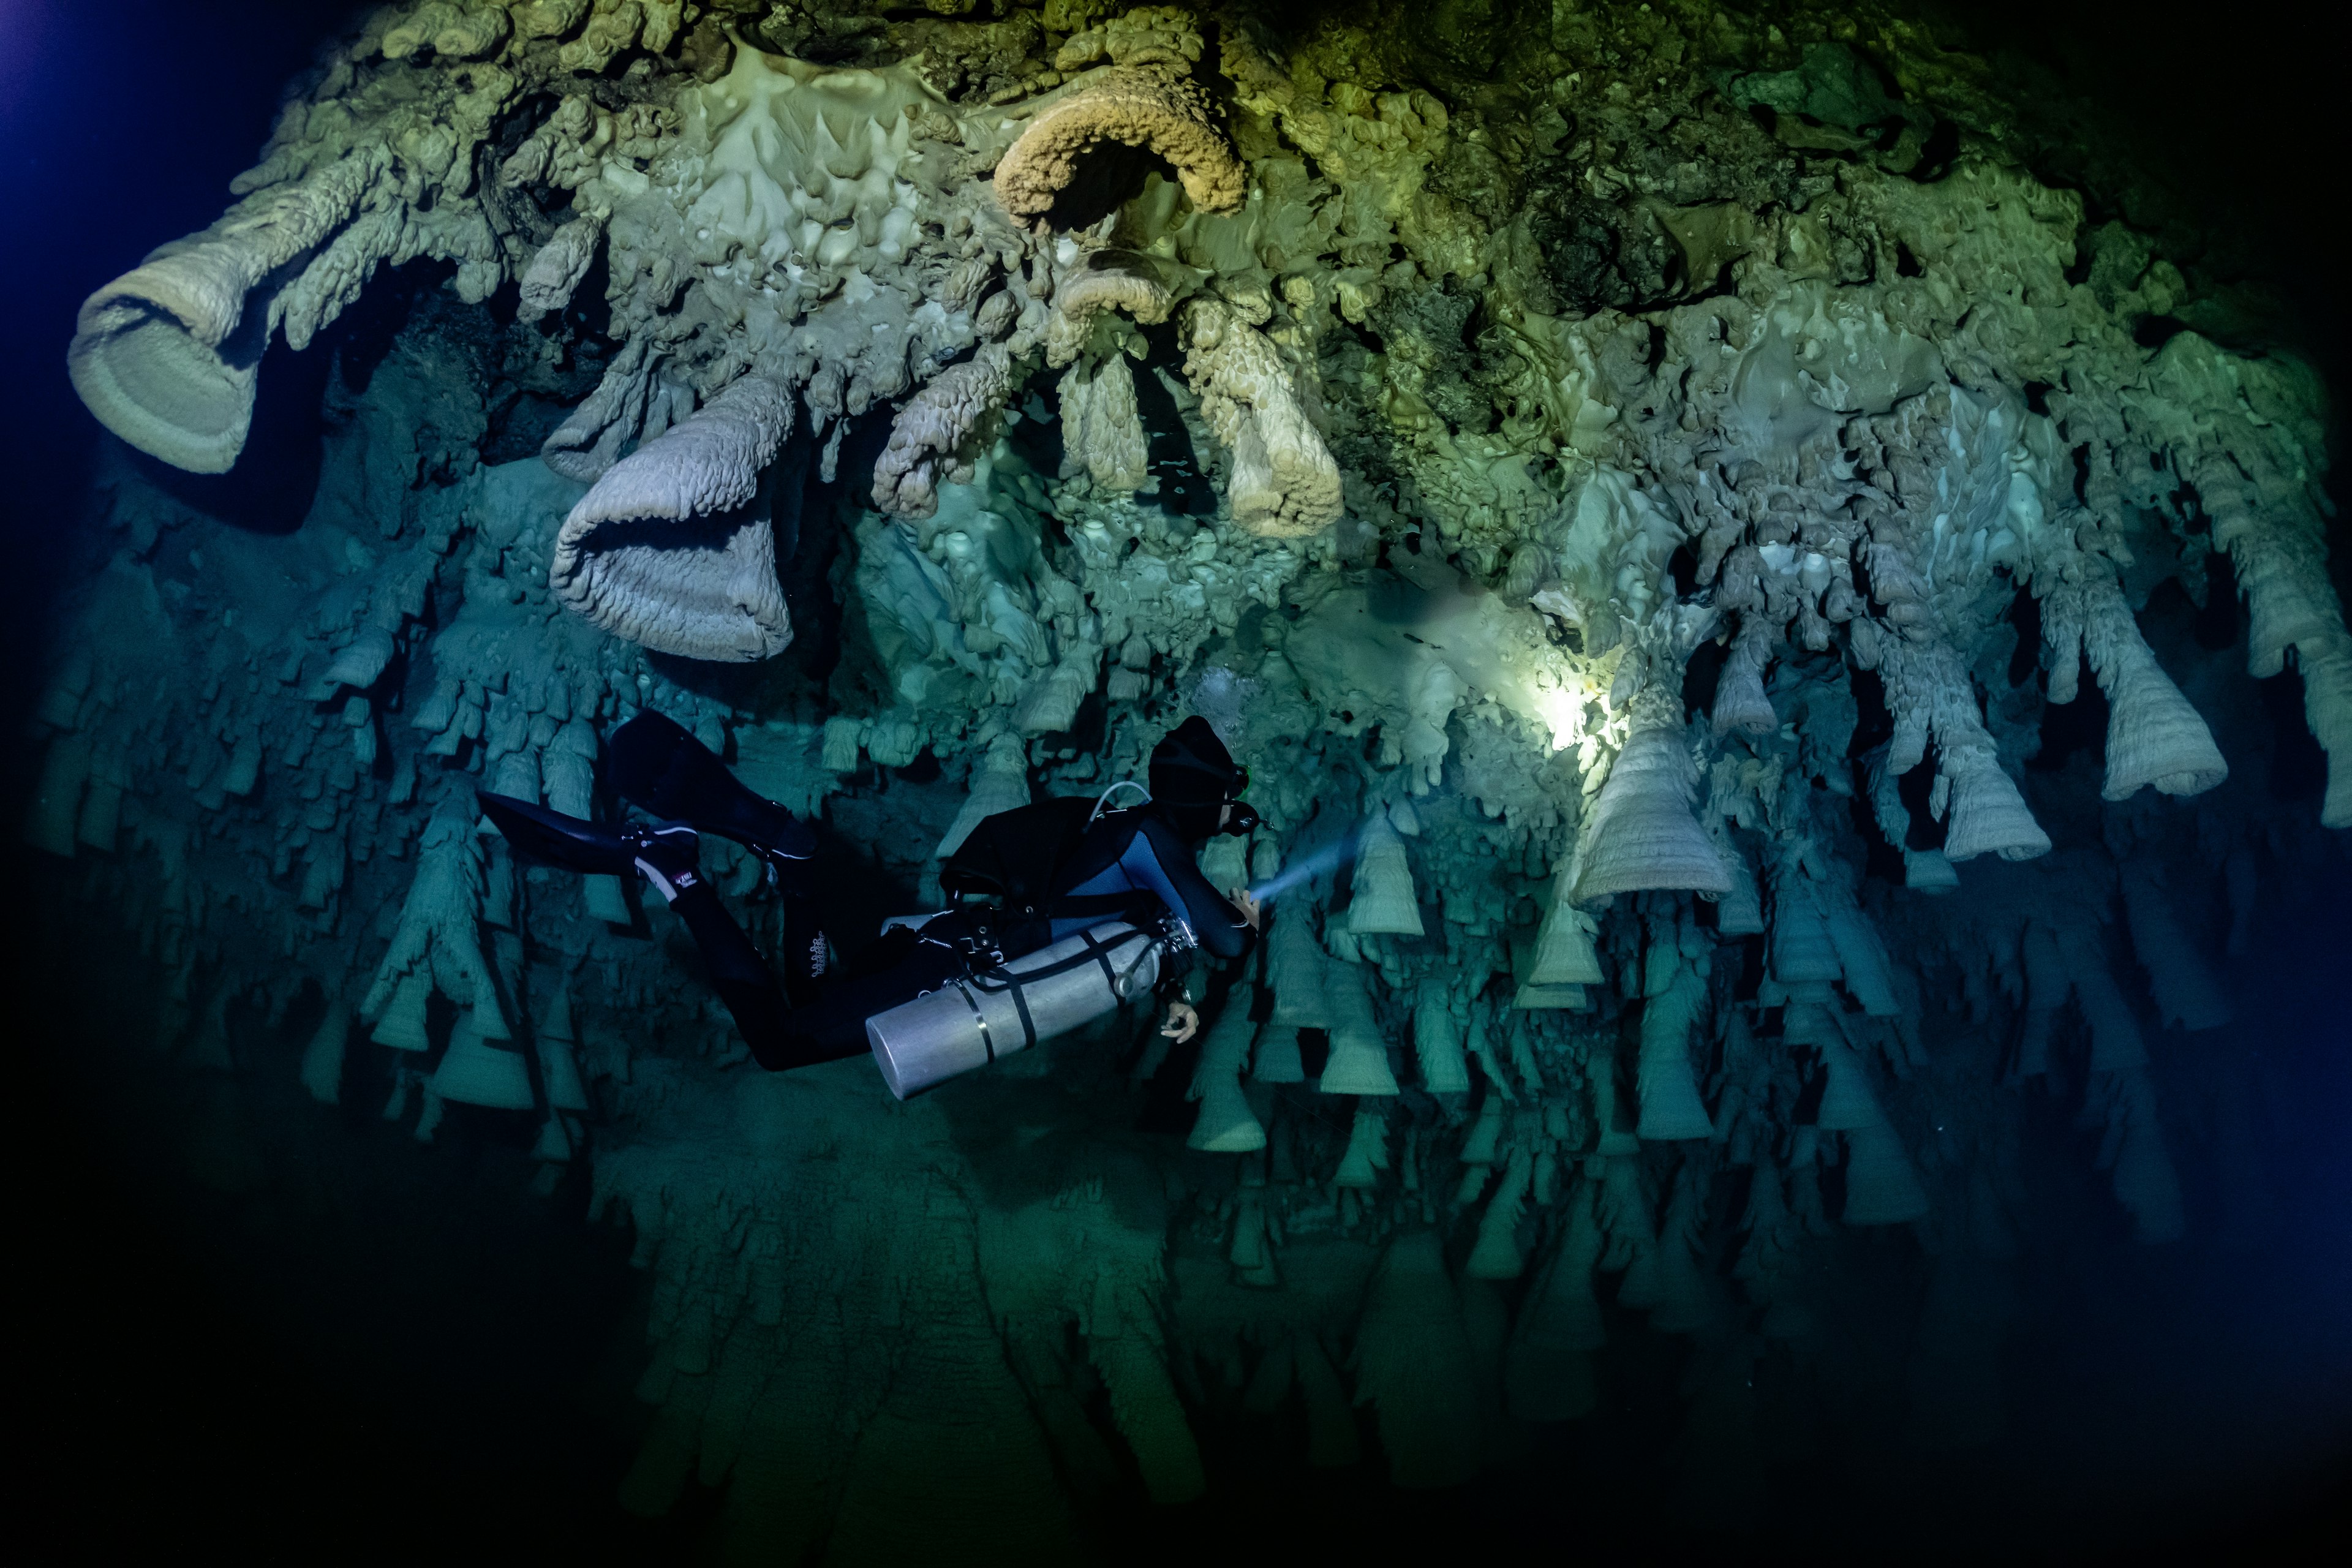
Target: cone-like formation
<point x="1803" y="952"/>
<point x="1495" y="1254"/>
<point x="1414" y="1366"/>
<point x="322" y="1058"/>
<point x="1666" y="1087"/>
<point x="1564" y="953"/>
<point x="1366" y="1155"/>
<point x="2187" y="994"/>
<point x="1437" y="1043"/>
<point x="1989" y="816"/>
<point x="2116" y="1042"/>
<point x="1000" y="783"/>
<point x="166" y="355"/>
<point x="1740" y="912"/>
<point x="1847" y="1102"/>
<point x="1359" y="1063"/>
<point x="476" y="1071"/>
<point x="2146" y="1183"/>
<point x="1881" y="1188"/>
<point x="1548" y="1372"/>
<point x="2153" y="736"/>
<point x="1742" y="708"/>
<point x="1862" y="956"/>
<point x="1226" y="1125"/>
<point x="1642" y="834"/>
<point x="1299" y="971"/>
<point x="1384" y="903"/>
<point x="668" y="550"/>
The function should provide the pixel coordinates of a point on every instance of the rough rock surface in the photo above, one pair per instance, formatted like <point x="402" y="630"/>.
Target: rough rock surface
<point x="1489" y="388"/>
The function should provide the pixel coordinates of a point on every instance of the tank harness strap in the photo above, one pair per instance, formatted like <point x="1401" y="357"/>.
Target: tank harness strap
<point x="1028" y="1025"/>
<point x="987" y="1042"/>
<point x="1000" y="979"/>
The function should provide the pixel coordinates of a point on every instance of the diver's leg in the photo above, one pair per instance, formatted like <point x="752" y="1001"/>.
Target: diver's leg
<point x="773" y="1029"/>
<point x="835" y="1028"/>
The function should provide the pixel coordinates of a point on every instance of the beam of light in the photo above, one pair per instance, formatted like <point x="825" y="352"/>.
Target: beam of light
<point x="1314" y="863"/>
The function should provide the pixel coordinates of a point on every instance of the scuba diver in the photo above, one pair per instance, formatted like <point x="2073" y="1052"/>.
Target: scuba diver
<point x="1021" y="881"/>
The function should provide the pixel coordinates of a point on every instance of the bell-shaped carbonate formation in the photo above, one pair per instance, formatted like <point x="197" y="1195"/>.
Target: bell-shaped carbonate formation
<point x="1986" y="816"/>
<point x="668" y="549"/>
<point x="1359" y="1063"/>
<point x="322" y="1058"/>
<point x="1415" y="1368"/>
<point x="2116" y="1042"/>
<point x="1930" y="693"/>
<point x="166" y="355"/>
<point x="1564" y="953"/>
<point x="1665" y="1086"/>
<point x="1437" y="1041"/>
<point x="1299" y="970"/>
<point x="2327" y="708"/>
<point x="930" y="435"/>
<point x="1847" y="1099"/>
<point x="558" y="267"/>
<point x="2047" y="988"/>
<point x="1548" y="1372"/>
<point x="2153" y="736"/>
<point x="1277" y="1059"/>
<point x="476" y="1071"/>
<point x="1102" y="430"/>
<point x="1924" y="870"/>
<point x="1642" y="835"/>
<point x="2146" y="1181"/>
<point x="1251" y="1253"/>
<point x="1284" y="483"/>
<point x="558" y="1041"/>
<point x="1384" y="902"/>
<point x="1881" y="1187"/>
<point x="1495" y="1254"/>
<point x="1740" y="912"/>
<point x="1741" y="706"/>
<point x="2187" y="994"/>
<point x="1106" y="280"/>
<point x="1226" y="1125"/>
<point x="1681" y="1302"/>
<point x="1136" y="106"/>
<point x="1366" y="1155"/>
<point x="1869" y="977"/>
<point x="438" y="945"/>
<point x="1803" y="954"/>
<point x="1000" y="783"/>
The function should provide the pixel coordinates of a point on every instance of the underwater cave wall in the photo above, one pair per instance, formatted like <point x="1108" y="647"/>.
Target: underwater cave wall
<point x="1657" y="483"/>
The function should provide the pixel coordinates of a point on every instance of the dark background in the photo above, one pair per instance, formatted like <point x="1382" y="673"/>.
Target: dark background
<point x="158" y="1396"/>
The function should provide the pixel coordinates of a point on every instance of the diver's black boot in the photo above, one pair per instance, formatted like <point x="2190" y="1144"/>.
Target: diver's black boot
<point x="666" y="854"/>
<point x="657" y="765"/>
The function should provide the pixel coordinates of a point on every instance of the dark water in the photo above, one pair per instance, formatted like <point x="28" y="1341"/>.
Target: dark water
<point x="417" y="1359"/>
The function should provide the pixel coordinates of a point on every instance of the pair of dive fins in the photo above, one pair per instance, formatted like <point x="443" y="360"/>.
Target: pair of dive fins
<point x="657" y="765"/>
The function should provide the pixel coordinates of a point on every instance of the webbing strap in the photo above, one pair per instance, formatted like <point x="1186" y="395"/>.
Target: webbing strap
<point x="987" y="1043"/>
<point x="1028" y="1025"/>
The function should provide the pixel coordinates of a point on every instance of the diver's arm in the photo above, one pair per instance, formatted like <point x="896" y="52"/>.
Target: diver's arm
<point x="1163" y="862"/>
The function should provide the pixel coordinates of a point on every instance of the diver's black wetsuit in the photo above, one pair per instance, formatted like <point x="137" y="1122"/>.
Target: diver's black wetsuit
<point x="1128" y="864"/>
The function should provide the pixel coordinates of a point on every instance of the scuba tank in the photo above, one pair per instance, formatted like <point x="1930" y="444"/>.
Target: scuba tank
<point x="971" y="1021"/>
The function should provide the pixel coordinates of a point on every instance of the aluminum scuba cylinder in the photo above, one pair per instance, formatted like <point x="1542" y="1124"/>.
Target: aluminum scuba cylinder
<point x="970" y="1022"/>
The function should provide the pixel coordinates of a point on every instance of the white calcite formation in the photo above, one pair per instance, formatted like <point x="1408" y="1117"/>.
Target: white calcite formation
<point x="1612" y="505"/>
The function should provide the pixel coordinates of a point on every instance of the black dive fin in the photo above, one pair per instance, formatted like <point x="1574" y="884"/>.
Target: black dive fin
<point x="552" y="839"/>
<point x="657" y="765"/>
